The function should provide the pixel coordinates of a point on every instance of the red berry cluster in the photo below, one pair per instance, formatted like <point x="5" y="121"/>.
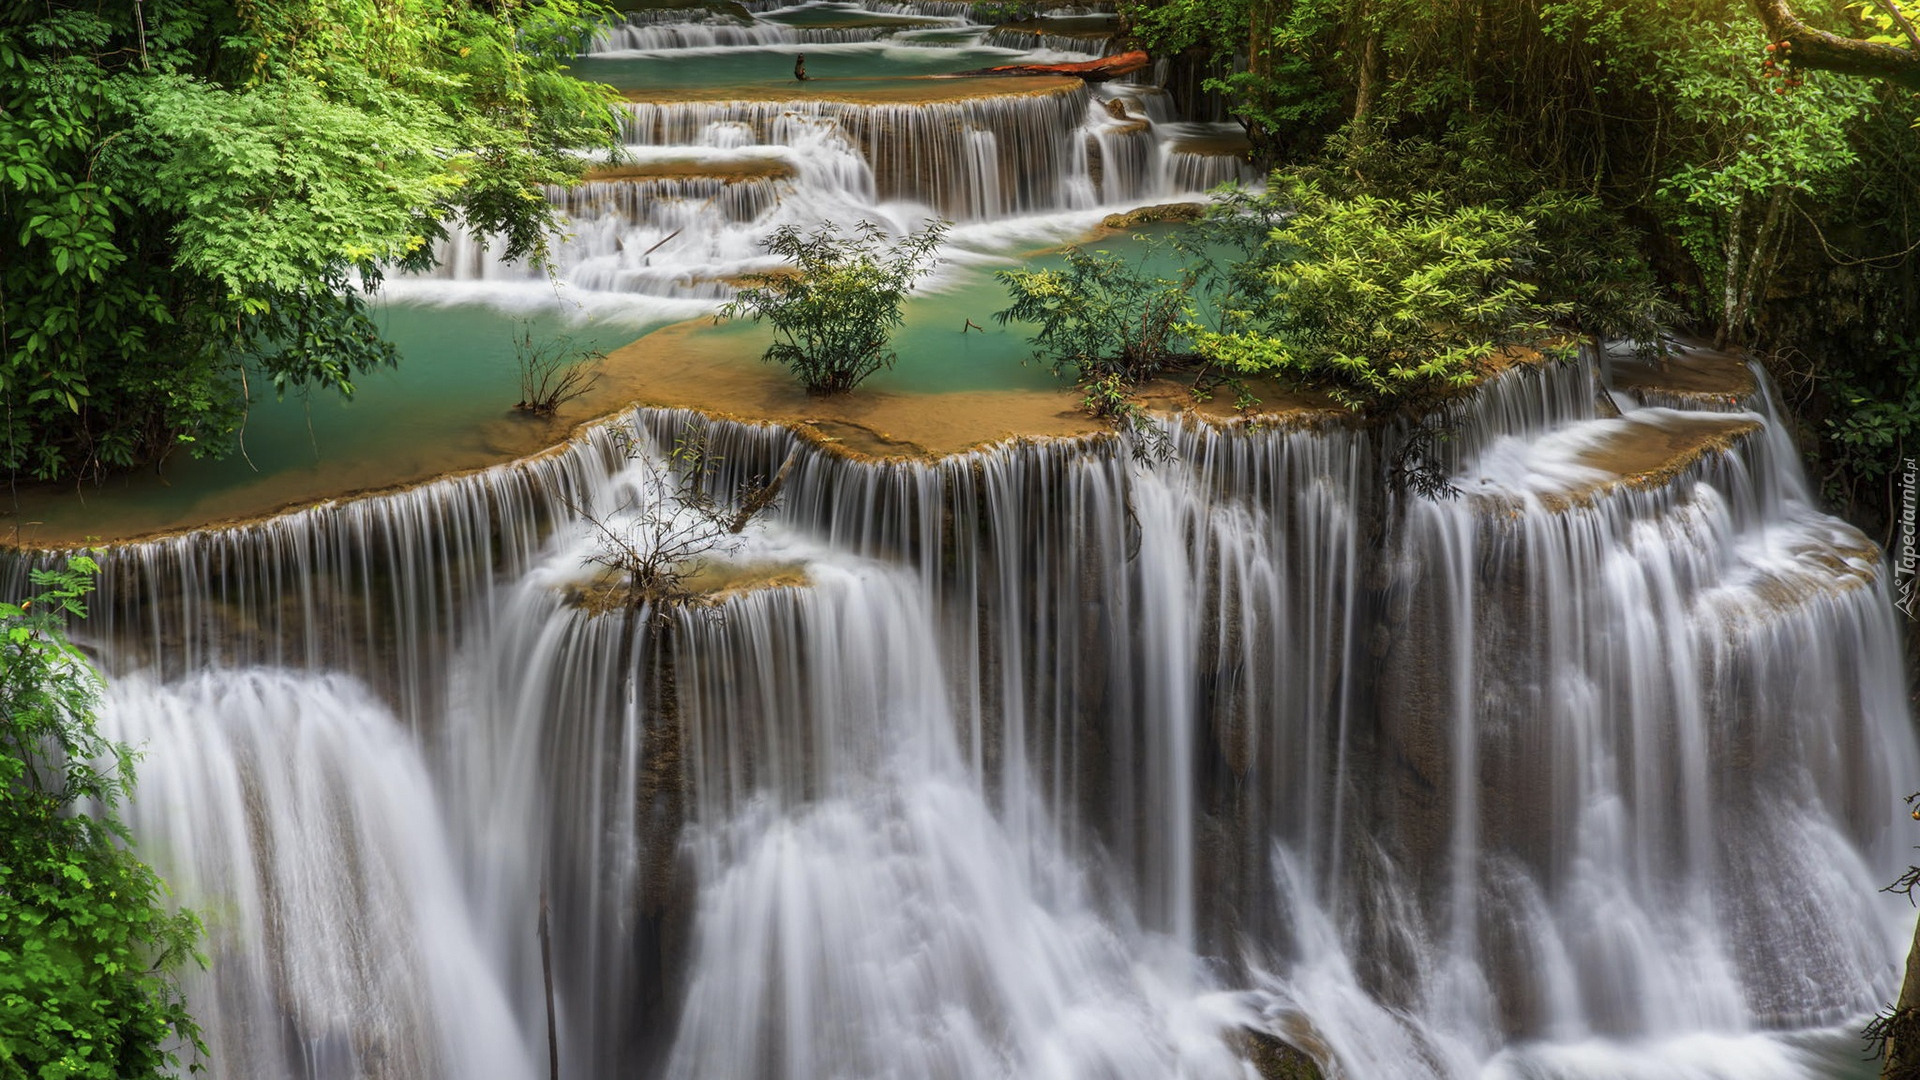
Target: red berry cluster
<point x="1779" y="65"/>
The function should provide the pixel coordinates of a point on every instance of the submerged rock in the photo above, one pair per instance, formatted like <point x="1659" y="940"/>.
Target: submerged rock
<point x="1164" y="213"/>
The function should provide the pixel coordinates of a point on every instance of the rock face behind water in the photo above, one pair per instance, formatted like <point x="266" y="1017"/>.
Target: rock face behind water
<point x="1274" y="1058"/>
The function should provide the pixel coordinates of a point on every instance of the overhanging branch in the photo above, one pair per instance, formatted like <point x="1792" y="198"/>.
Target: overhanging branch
<point x="1819" y="49"/>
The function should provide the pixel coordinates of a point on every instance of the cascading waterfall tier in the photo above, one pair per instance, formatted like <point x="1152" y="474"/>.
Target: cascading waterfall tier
<point x="1040" y="760"/>
<point x="894" y="151"/>
<point x="969" y="158"/>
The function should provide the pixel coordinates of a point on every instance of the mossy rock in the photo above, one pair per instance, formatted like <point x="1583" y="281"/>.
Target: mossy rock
<point x="1274" y="1058"/>
<point x="1165" y="213"/>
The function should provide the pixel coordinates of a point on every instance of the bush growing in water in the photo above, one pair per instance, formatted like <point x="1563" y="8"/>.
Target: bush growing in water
<point x="553" y="372"/>
<point x="837" y="305"/>
<point x="1384" y="304"/>
<point x="1100" y="316"/>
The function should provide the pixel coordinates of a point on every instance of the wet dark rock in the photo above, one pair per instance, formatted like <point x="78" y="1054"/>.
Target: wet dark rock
<point x="1164" y="213"/>
<point x="1274" y="1058"/>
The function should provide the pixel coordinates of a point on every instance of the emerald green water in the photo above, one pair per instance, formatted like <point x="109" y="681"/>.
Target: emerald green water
<point x="448" y="405"/>
<point x="938" y="353"/>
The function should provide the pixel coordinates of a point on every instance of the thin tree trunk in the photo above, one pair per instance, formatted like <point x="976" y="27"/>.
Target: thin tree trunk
<point x="1903" y="1059"/>
<point x="1368" y="79"/>
<point x="546" y="971"/>
<point x="1731" y="251"/>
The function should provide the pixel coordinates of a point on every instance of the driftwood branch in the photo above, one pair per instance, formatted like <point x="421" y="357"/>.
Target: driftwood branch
<point x="759" y="497"/>
<point x="1107" y="67"/>
<point x="1811" y="48"/>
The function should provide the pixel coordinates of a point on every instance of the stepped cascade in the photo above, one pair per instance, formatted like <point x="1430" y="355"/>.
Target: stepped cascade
<point x="724" y="145"/>
<point x="1044" y="761"/>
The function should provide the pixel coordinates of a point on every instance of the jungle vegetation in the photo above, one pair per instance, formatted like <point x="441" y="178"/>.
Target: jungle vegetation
<point x="195" y="195"/>
<point x="89" y="947"/>
<point x="1747" y="170"/>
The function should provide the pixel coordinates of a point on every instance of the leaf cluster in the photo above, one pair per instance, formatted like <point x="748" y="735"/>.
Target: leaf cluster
<point x="193" y="193"/>
<point x="1101" y="316"/>
<point x="835" y="304"/>
<point x="1385" y="304"/>
<point x="87" y="951"/>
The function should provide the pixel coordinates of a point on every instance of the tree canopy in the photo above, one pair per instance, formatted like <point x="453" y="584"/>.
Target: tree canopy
<point x="194" y="192"/>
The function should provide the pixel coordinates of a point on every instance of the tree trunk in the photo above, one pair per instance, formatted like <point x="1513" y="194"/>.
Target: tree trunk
<point x="1812" y="48"/>
<point x="1372" y="62"/>
<point x="1903" y="1050"/>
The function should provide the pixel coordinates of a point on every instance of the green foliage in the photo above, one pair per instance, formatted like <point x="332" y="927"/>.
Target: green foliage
<point x="1100" y="316"/>
<point x="1587" y="259"/>
<point x="192" y="191"/>
<point x="1107" y="398"/>
<point x="1670" y="173"/>
<point x="1278" y="64"/>
<point x="1003" y="11"/>
<point x="1746" y="155"/>
<point x="1873" y="423"/>
<point x="86" y="949"/>
<point x="1385" y="305"/>
<point x="835" y="307"/>
<point x="1590" y="268"/>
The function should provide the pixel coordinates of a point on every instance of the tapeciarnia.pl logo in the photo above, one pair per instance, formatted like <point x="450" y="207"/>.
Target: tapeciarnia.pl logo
<point x="1904" y="558"/>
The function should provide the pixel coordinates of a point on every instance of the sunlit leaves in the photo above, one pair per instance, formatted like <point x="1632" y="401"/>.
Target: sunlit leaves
<point x="1381" y="303"/>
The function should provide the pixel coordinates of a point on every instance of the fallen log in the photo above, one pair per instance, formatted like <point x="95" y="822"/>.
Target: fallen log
<point x="1107" y="67"/>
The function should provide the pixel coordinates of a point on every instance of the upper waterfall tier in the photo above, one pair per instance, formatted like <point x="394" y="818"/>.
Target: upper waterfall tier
<point x="715" y="177"/>
<point x="700" y="28"/>
<point x="971" y="149"/>
<point x="877" y="131"/>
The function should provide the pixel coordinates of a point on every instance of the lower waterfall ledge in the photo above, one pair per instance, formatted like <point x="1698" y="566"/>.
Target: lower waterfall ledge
<point x="1691" y="376"/>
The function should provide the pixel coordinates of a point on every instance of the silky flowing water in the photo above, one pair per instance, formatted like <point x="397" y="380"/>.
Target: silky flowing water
<point x="1043" y="760"/>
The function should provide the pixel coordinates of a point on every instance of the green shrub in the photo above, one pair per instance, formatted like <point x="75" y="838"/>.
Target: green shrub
<point x="1385" y="305"/>
<point x="86" y="950"/>
<point x="1100" y="316"/>
<point x="196" y="191"/>
<point x="836" y="306"/>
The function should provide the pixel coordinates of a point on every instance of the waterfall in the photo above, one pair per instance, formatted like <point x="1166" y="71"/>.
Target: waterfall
<point x="921" y="151"/>
<point x="298" y="818"/>
<point x="708" y="172"/>
<point x="1022" y="38"/>
<point x="1041" y="760"/>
